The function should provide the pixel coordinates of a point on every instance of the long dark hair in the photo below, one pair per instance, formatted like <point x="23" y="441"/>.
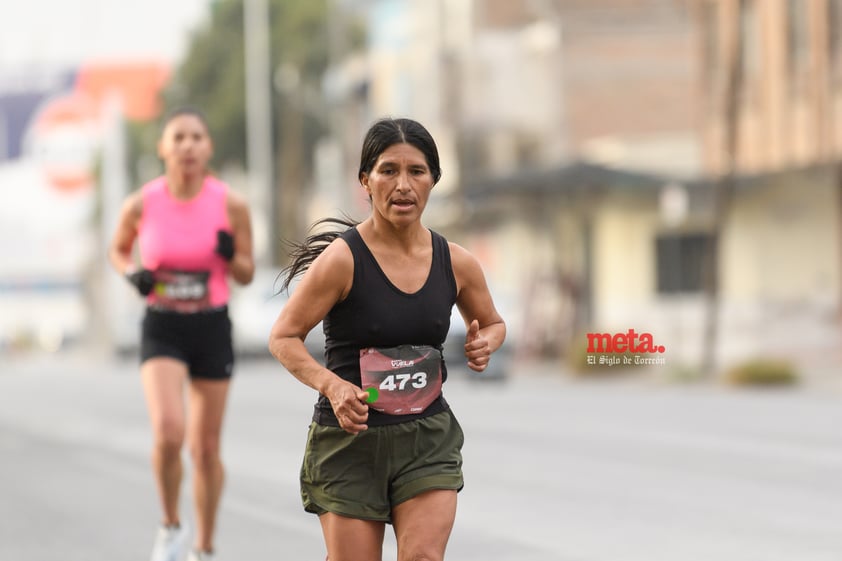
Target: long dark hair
<point x="304" y="253"/>
<point x="387" y="132"/>
<point x="380" y="136"/>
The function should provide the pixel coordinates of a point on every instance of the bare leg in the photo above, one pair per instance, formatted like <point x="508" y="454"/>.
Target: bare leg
<point x="207" y="408"/>
<point x="163" y="385"/>
<point x="423" y="525"/>
<point x="350" y="539"/>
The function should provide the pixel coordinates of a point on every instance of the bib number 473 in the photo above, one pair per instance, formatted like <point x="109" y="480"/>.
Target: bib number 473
<point x="398" y="382"/>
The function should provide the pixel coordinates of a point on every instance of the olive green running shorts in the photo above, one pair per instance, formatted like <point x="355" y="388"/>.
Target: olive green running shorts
<point x="366" y="475"/>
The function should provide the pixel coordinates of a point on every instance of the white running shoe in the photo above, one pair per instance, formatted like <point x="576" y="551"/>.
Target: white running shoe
<point x="196" y="555"/>
<point x="170" y="543"/>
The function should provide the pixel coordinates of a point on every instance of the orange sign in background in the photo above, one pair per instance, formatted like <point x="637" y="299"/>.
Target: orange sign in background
<point x="66" y="132"/>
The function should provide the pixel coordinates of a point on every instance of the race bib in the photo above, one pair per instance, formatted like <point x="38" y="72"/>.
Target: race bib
<point x="401" y="380"/>
<point x="182" y="291"/>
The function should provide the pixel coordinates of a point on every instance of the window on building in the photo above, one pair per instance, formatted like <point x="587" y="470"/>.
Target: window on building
<point x="529" y="149"/>
<point x="680" y="261"/>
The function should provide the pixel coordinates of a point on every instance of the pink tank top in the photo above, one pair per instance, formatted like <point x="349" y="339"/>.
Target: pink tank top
<point x="177" y="240"/>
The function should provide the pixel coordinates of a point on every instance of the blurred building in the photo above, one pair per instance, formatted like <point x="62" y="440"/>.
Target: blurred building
<point x="610" y="122"/>
<point x="523" y="87"/>
<point x="58" y="133"/>
<point x="782" y="241"/>
<point x="790" y="107"/>
<point x="582" y="144"/>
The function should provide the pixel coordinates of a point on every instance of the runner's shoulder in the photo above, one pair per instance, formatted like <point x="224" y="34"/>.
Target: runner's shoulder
<point x="133" y="205"/>
<point x="236" y="200"/>
<point x="336" y="257"/>
<point x="462" y="260"/>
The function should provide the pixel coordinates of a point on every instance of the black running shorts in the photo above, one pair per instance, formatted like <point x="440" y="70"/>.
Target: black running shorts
<point x="201" y="340"/>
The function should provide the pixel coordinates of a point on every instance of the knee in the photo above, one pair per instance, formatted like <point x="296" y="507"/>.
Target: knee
<point x="419" y="555"/>
<point x="205" y="452"/>
<point x="169" y="436"/>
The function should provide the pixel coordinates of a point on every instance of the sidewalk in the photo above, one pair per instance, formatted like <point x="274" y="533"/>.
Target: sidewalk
<point x="817" y="373"/>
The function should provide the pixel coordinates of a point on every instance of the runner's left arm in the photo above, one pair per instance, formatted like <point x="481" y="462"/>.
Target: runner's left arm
<point x="486" y="329"/>
<point x="241" y="265"/>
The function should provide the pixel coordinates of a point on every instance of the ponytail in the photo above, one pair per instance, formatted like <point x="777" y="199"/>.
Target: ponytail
<point x="303" y="254"/>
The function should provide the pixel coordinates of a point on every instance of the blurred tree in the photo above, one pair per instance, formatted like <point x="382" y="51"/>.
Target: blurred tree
<point x="212" y="78"/>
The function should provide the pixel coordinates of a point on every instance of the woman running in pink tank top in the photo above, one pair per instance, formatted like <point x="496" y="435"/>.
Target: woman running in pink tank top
<point x="193" y="233"/>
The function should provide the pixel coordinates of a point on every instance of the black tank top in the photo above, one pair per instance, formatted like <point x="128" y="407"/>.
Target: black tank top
<point x="378" y="314"/>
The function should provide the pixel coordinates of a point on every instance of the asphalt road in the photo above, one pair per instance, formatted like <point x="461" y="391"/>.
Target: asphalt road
<point x="556" y="469"/>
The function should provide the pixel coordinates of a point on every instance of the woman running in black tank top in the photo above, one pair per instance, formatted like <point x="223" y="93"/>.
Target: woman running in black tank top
<point x="384" y="446"/>
<point x="377" y="314"/>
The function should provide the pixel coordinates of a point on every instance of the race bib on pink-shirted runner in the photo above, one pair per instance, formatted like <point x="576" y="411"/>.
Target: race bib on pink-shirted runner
<point x="401" y="380"/>
<point x="182" y="291"/>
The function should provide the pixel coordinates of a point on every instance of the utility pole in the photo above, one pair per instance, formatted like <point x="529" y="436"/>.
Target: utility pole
<point x="291" y="156"/>
<point x="723" y="189"/>
<point x="825" y="40"/>
<point x="259" y="126"/>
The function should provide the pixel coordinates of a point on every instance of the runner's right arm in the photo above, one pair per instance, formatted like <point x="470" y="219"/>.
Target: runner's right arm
<point x="326" y="282"/>
<point x="120" y="250"/>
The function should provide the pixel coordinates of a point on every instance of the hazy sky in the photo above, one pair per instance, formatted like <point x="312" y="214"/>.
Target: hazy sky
<point x="67" y="32"/>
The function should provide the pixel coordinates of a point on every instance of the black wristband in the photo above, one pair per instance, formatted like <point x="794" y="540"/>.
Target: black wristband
<point x="143" y="280"/>
<point x="224" y="245"/>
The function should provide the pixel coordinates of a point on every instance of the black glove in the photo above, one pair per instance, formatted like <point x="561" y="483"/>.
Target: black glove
<point x="225" y="245"/>
<point x="143" y="280"/>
